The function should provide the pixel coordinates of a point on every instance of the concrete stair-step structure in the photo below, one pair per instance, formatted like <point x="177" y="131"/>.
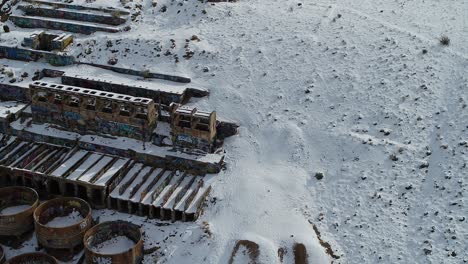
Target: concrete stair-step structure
<point x="82" y="16"/>
<point x="61" y="24"/>
<point x="59" y="5"/>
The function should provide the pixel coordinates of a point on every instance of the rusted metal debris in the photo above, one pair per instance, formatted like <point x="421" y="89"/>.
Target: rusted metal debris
<point x="19" y="222"/>
<point x="33" y="258"/>
<point x="107" y="231"/>
<point x="67" y="236"/>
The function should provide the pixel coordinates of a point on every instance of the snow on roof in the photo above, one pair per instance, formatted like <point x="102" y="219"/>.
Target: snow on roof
<point x="90" y="174"/>
<point x="172" y="200"/>
<point x="10" y="140"/>
<point x="44" y="159"/>
<point x="192" y="188"/>
<point x="92" y="92"/>
<point x="10" y="107"/>
<point x="137" y="180"/>
<point x="103" y="180"/>
<point x="163" y="129"/>
<point x="138" y="195"/>
<point x="148" y="199"/>
<point x="158" y="202"/>
<point x="35" y="146"/>
<point x="126" y="179"/>
<point x="81" y="71"/>
<point x="173" y="89"/>
<point x="17" y="147"/>
<point x="119" y="142"/>
<point x="193" y="207"/>
<point x="90" y="160"/>
<point x="70" y="162"/>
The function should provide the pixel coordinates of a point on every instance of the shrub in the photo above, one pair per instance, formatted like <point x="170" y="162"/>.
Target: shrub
<point x="444" y="40"/>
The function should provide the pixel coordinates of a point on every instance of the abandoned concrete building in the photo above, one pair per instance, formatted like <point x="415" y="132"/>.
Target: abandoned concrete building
<point x="193" y="128"/>
<point x="90" y="136"/>
<point x="82" y="110"/>
<point x="42" y="40"/>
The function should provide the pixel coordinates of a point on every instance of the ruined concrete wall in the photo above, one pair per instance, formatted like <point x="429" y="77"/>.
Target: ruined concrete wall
<point x="10" y="92"/>
<point x="158" y="96"/>
<point x="31" y="22"/>
<point x="85" y="110"/>
<point x="34" y="137"/>
<point x="145" y="74"/>
<point x="226" y="129"/>
<point x="16" y="53"/>
<point x="76" y="7"/>
<point x="74" y="121"/>
<point x="190" y="141"/>
<point x="73" y="15"/>
<point x="4" y="124"/>
<point x="170" y="162"/>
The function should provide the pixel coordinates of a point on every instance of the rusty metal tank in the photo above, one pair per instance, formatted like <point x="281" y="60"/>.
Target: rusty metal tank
<point x="106" y="233"/>
<point x="33" y="258"/>
<point x="62" y="222"/>
<point x="17" y="205"/>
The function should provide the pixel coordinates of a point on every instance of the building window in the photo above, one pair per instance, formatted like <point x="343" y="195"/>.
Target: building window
<point x="203" y="125"/>
<point x="141" y="112"/>
<point x="42" y="96"/>
<point x="91" y="103"/>
<point x="107" y="107"/>
<point x="124" y="110"/>
<point x="74" y="101"/>
<point x="184" y="121"/>
<point x="57" y="98"/>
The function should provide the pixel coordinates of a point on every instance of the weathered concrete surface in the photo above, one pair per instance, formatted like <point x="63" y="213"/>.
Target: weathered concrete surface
<point x="82" y="110"/>
<point x="31" y="10"/>
<point x="58" y="24"/>
<point x="24" y="54"/>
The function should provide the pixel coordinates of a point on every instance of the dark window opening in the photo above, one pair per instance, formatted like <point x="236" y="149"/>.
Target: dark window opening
<point x="74" y="101"/>
<point x="91" y="104"/>
<point x="57" y="99"/>
<point x="107" y="108"/>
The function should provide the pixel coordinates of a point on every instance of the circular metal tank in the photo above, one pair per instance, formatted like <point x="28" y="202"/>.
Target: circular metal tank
<point x="36" y="258"/>
<point x="67" y="235"/>
<point x="20" y="221"/>
<point x="106" y="231"/>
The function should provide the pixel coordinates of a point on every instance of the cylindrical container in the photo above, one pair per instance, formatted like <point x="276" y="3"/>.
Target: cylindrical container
<point x="117" y="242"/>
<point x="36" y="258"/>
<point x="62" y="222"/>
<point x="17" y="205"/>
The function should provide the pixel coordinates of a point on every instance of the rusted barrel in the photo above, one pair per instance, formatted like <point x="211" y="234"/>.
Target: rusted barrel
<point x="36" y="258"/>
<point x="62" y="222"/>
<point x="17" y="205"/>
<point x="117" y="242"/>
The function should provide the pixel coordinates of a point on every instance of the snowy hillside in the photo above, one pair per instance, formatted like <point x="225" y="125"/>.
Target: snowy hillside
<point x="361" y="92"/>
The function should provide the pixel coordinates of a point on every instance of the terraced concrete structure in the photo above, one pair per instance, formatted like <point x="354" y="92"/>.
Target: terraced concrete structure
<point x="103" y="180"/>
<point x="71" y="18"/>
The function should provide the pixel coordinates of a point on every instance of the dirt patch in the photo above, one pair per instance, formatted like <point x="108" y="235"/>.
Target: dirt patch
<point x="281" y="253"/>
<point x="326" y="245"/>
<point x="252" y="249"/>
<point x="300" y="254"/>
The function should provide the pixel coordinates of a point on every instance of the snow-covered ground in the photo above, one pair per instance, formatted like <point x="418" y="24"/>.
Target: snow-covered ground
<point x="360" y="91"/>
